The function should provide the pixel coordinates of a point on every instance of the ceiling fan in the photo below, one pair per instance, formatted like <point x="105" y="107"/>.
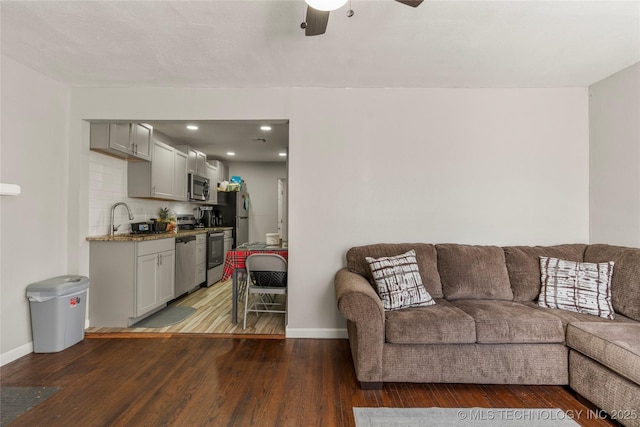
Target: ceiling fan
<point x="318" y="14"/>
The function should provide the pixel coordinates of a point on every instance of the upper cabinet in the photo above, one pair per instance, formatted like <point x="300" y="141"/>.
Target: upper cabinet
<point x="163" y="178"/>
<point x="221" y="172"/>
<point x="141" y="140"/>
<point x="212" y="174"/>
<point x="130" y="141"/>
<point x="197" y="160"/>
<point x="180" y="161"/>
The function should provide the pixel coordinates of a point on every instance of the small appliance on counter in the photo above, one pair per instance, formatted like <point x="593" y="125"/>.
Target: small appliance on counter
<point x="205" y="216"/>
<point x="273" y="239"/>
<point x="148" y="227"/>
<point x="218" y="221"/>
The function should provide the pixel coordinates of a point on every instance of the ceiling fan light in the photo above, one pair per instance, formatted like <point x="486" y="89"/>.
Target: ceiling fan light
<point x="326" y="5"/>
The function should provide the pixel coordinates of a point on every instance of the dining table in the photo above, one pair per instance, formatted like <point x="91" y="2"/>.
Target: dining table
<point x="235" y="267"/>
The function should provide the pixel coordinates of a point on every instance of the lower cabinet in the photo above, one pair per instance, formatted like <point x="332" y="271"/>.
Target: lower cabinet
<point x="129" y="280"/>
<point x="155" y="278"/>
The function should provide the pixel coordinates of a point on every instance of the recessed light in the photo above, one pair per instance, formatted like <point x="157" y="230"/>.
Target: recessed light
<point x="230" y="153"/>
<point x="282" y="154"/>
<point x="192" y="127"/>
<point x="265" y="127"/>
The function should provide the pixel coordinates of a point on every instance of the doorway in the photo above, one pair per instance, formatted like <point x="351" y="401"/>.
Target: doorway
<point x="239" y="147"/>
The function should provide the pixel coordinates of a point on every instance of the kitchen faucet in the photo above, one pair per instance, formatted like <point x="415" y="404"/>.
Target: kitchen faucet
<point x="113" y="228"/>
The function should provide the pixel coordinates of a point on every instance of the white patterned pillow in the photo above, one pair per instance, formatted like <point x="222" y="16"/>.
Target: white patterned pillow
<point x="582" y="287"/>
<point x="399" y="282"/>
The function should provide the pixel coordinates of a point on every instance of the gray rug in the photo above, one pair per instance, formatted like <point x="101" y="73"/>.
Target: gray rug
<point x="166" y="317"/>
<point x="467" y="417"/>
<point x="15" y="401"/>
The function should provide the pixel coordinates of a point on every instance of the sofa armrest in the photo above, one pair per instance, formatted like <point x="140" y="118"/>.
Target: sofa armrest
<point x="361" y="305"/>
<point x="357" y="300"/>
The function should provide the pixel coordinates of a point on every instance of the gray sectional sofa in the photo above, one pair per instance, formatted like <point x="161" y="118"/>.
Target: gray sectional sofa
<point x="486" y="325"/>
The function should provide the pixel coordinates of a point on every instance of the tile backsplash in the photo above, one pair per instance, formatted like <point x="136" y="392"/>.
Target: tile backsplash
<point x="108" y="185"/>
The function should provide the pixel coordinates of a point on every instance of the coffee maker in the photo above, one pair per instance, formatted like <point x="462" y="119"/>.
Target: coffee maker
<point x="217" y="218"/>
<point x="206" y="216"/>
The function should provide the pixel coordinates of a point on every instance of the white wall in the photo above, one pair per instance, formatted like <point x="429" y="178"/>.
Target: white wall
<point x="33" y="227"/>
<point x="614" y="121"/>
<point x="261" y="179"/>
<point x="482" y="166"/>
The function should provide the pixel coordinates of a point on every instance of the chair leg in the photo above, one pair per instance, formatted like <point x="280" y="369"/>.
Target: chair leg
<point x="246" y="304"/>
<point x="255" y="303"/>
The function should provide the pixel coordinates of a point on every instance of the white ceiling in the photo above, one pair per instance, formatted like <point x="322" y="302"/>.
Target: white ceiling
<point x="259" y="44"/>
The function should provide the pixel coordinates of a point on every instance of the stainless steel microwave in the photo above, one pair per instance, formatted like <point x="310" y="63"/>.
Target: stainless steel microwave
<point x="198" y="188"/>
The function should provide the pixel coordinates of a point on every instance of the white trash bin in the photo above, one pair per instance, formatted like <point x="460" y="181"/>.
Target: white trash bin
<point x="58" y="307"/>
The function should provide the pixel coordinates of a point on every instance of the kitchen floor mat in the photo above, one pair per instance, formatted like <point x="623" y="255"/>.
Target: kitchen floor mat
<point x="15" y="401"/>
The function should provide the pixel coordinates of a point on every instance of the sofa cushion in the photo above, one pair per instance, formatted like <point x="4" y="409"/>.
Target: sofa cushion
<point x="584" y="287"/>
<point x="425" y="255"/>
<point x="523" y="265"/>
<point x="616" y="346"/>
<point x="441" y="323"/>
<point x="625" y="283"/>
<point x="509" y="322"/>
<point x="398" y="281"/>
<point x="567" y="317"/>
<point x="473" y="272"/>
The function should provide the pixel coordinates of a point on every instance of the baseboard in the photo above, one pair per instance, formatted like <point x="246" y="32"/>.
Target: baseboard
<point x="316" y="333"/>
<point x="16" y="353"/>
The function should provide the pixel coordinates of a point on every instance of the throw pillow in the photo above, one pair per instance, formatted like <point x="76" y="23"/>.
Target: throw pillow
<point x="582" y="287"/>
<point x="398" y="281"/>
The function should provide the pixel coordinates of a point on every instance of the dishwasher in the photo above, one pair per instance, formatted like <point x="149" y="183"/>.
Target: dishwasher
<point x="185" y="264"/>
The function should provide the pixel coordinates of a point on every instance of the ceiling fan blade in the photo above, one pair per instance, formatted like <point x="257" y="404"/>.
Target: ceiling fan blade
<point x="317" y="21"/>
<point x="412" y="3"/>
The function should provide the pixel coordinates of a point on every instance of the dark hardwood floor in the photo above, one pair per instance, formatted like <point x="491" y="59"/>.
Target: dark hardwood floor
<point x="203" y="380"/>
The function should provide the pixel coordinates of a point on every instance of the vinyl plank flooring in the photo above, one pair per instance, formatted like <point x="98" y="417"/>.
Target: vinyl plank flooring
<point x="212" y="316"/>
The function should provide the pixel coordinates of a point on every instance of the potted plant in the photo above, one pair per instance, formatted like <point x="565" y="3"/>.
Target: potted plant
<point x="163" y="214"/>
<point x="163" y="219"/>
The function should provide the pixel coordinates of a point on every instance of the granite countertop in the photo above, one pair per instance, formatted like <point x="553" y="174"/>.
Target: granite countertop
<point x="127" y="237"/>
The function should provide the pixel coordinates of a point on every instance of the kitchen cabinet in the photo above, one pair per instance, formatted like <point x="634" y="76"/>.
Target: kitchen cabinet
<point x="130" y="141"/>
<point x="197" y="163"/>
<point x="212" y="174"/>
<point x="221" y="172"/>
<point x="201" y="259"/>
<point x="155" y="275"/>
<point x="180" y="185"/>
<point x="164" y="178"/>
<point x="201" y="164"/>
<point x="129" y="280"/>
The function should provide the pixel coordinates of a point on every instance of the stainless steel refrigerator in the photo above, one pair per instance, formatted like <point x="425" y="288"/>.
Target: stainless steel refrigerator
<point x="234" y="207"/>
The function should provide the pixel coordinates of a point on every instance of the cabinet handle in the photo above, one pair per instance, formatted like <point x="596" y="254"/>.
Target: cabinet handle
<point x="160" y="259"/>
<point x="153" y="190"/>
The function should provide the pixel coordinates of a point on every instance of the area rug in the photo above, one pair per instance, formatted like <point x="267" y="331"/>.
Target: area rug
<point x="465" y="417"/>
<point x="166" y="317"/>
<point x="15" y="401"/>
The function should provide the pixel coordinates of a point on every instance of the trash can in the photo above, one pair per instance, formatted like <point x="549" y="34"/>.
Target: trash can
<point x="58" y="307"/>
